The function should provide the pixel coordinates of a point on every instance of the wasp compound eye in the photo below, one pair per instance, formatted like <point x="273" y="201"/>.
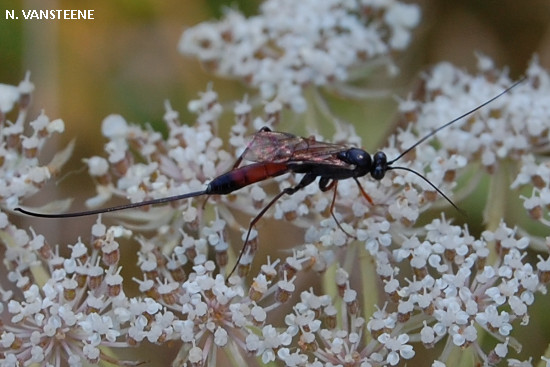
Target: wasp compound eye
<point x="379" y="166"/>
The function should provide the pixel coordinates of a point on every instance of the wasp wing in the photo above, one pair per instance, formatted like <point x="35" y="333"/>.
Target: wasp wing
<point x="280" y="147"/>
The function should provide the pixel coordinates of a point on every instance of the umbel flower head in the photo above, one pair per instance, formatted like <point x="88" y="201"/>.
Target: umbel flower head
<point x="68" y="309"/>
<point x="458" y="284"/>
<point x="292" y="44"/>
<point x="390" y="284"/>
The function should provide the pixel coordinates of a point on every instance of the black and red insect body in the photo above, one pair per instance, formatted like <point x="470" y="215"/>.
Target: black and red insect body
<point x="276" y="153"/>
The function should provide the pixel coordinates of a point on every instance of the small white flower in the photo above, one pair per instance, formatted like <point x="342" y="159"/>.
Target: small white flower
<point x="114" y="127"/>
<point x="9" y="94"/>
<point x="397" y="347"/>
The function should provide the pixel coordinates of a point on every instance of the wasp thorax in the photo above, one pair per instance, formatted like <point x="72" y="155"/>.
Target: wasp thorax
<point x="357" y="157"/>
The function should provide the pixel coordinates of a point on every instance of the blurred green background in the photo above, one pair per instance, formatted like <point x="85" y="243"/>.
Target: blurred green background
<point x="125" y="61"/>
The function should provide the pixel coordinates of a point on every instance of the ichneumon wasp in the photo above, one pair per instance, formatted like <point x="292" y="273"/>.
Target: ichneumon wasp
<point x="276" y="153"/>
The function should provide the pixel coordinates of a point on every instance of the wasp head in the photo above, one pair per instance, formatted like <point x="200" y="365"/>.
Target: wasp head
<point x="379" y="166"/>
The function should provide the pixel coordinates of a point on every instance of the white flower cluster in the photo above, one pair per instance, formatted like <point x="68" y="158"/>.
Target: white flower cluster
<point x="512" y="131"/>
<point x="80" y="308"/>
<point x="21" y="174"/>
<point x="292" y="44"/>
<point x="442" y="284"/>
<point x="181" y="163"/>
<point x="505" y="129"/>
<point x="457" y="286"/>
<point x="468" y="292"/>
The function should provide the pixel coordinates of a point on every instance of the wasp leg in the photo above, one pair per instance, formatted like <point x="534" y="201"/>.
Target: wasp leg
<point x="363" y="192"/>
<point x="306" y="180"/>
<point x="326" y="184"/>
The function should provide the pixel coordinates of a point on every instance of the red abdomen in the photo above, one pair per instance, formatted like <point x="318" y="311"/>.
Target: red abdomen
<point x="244" y="176"/>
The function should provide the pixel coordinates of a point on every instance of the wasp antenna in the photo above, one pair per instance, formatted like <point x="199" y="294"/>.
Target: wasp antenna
<point x="433" y="186"/>
<point x="433" y="132"/>
<point x="113" y="208"/>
